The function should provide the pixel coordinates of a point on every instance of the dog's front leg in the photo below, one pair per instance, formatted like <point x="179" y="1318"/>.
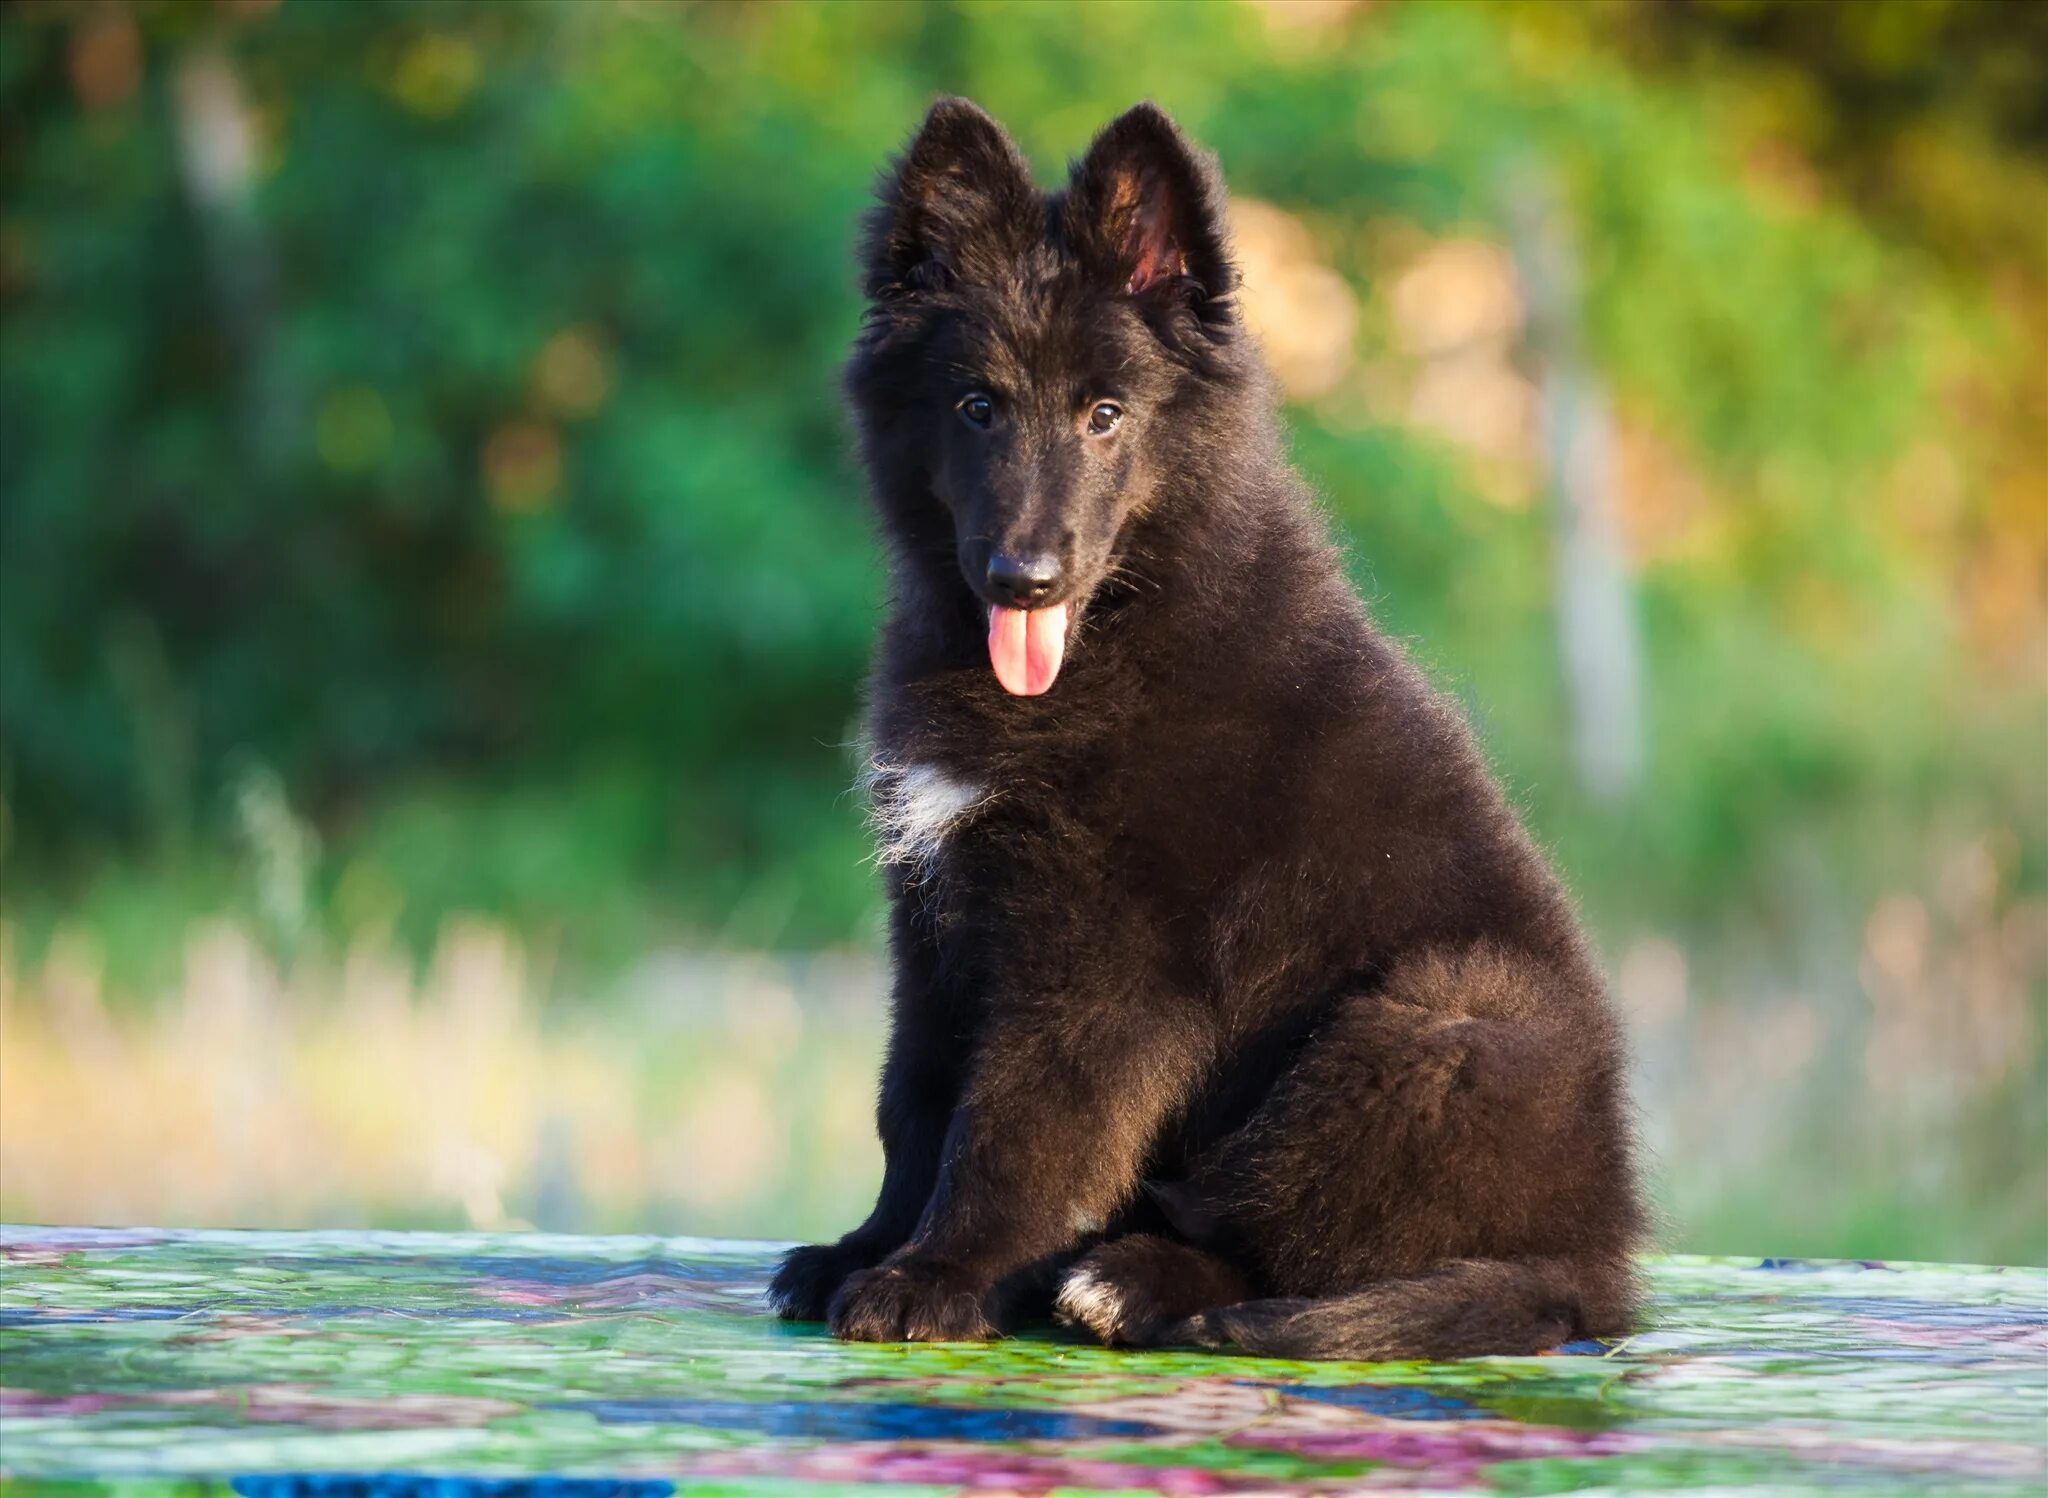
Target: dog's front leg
<point x="922" y="1079"/>
<point x="1047" y="1142"/>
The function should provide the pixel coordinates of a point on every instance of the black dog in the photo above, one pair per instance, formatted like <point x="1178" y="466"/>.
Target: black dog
<point x="1232" y="1004"/>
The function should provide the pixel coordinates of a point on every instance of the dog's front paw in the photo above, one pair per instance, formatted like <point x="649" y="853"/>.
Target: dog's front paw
<point x="809" y="1277"/>
<point x="909" y="1301"/>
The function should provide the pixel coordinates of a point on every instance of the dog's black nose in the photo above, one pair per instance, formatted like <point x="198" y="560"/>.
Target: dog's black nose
<point x="1023" y="581"/>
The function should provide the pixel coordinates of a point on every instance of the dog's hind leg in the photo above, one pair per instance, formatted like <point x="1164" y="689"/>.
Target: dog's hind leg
<point x="1443" y="1171"/>
<point x="1129" y="1290"/>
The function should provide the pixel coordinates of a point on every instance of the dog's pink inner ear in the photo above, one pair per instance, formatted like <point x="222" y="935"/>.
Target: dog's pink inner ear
<point x="1150" y="247"/>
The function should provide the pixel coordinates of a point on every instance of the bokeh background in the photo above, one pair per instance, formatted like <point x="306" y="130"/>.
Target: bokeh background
<point x="436" y="585"/>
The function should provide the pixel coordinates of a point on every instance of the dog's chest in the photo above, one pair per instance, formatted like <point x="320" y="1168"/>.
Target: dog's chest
<point x="917" y="809"/>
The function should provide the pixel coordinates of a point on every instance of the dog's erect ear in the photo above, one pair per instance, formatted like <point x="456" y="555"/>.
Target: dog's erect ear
<point x="1147" y="210"/>
<point x="958" y="205"/>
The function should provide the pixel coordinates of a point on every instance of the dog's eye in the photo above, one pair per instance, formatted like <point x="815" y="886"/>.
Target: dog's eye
<point x="1103" y="419"/>
<point x="977" y="409"/>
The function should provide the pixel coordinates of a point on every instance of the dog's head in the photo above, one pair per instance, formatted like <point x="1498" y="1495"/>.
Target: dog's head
<point x="1031" y="361"/>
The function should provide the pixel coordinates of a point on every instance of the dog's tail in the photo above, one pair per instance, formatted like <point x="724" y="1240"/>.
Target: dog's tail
<point x="1466" y="1308"/>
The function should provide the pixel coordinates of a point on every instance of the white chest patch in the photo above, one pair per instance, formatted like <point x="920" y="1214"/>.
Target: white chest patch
<point x="912" y="808"/>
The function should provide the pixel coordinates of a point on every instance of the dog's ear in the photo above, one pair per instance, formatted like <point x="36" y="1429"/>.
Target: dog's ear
<point x="1146" y="209"/>
<point x="958" y="205"/>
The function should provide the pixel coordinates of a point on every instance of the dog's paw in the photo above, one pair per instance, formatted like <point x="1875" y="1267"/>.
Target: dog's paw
<point x="1118" y="1310"/>
<point x="909" y="1301"/>
<point x="809" y="1277"/>
<point x="1131" y="1292"/>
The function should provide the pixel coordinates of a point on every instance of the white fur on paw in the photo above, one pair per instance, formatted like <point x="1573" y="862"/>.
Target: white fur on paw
<point x="1093" y="1303"/>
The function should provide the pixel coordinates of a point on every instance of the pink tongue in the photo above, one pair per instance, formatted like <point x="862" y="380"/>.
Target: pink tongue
<point x="1025" y="646"/>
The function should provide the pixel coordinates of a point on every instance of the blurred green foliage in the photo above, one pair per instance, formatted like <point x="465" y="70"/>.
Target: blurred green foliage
<point x="476" y="464"/>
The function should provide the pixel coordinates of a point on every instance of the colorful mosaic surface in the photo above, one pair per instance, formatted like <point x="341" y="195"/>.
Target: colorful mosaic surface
<point x="285" y="1365"/>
